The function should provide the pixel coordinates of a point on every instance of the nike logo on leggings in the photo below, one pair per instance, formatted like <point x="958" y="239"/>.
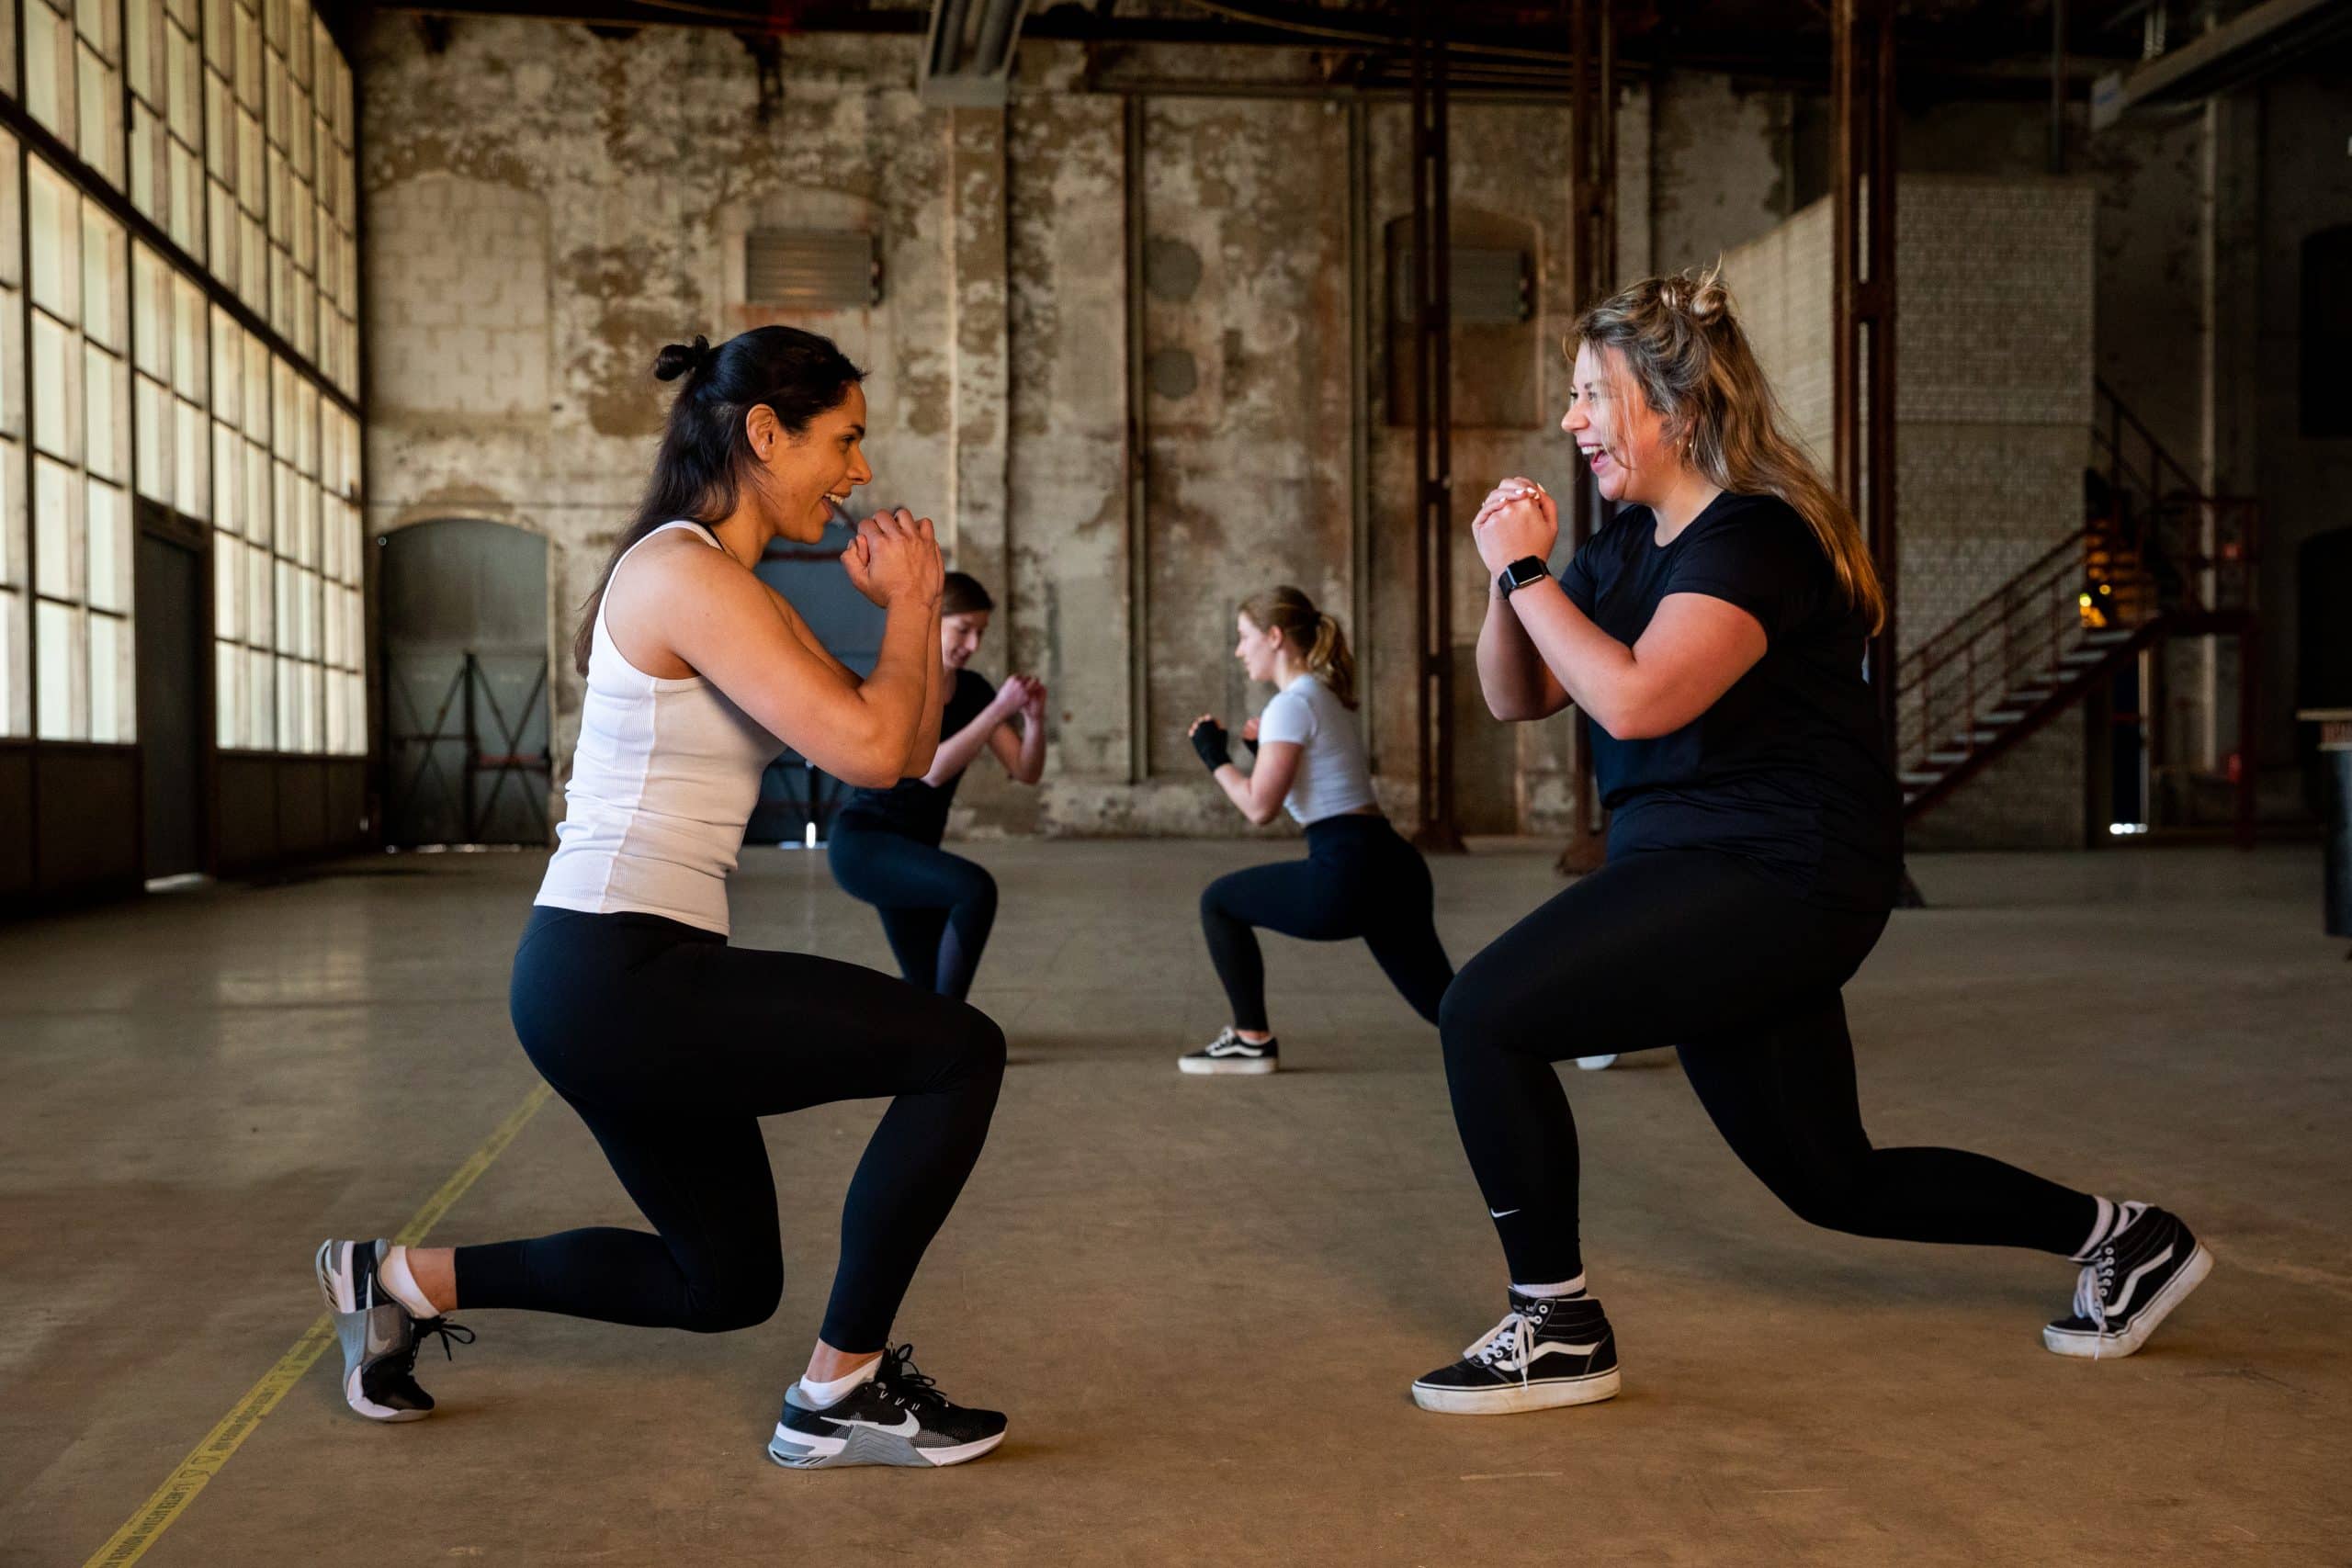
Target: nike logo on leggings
<point x="1500" y="1214"/>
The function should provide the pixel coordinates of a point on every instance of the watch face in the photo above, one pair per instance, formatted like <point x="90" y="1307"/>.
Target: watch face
<point x="1522" y="572"/>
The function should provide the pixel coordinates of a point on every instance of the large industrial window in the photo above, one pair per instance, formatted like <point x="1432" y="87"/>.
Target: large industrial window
<point x="191" y="378"/>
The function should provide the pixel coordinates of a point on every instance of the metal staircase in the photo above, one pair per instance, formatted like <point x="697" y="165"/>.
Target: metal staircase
<point x="2156" y="557"/>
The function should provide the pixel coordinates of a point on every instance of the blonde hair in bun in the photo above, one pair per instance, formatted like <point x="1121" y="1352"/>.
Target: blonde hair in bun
<point x="1681" y="345"/>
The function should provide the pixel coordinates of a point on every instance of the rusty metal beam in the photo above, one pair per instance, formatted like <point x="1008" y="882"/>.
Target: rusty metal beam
<point x="1592" y="274"/>
<point x="1433" y="435"/>
<point x="1862" y="391"/>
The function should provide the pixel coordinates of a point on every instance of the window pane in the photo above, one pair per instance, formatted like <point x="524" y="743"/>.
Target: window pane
<point x="256" y="485"/>
<point x="259" y="597"/>
<point x="16" y="667"/>
<point x="114" y="692"/>
<point x="228" y="693"/>
<point x="227" y="364"/>
<point x="227" y="590"/>
<point x="100" y="128"/>
<point x="106" y="440"/>
<point x="59" y="556"/>
<point x="14" y="516"/>
<point x="57" y="390"/>
<point x="49" y="77"/>
<point x="149" y="164"/>
<point x="192" y="488"/>
<point x="260" y="703"/>
<point x="186" y="224"/>
<point x="183" y="85"/>
<point x="228" y="507"/>
<point x="154" y="466"/>
<point x="108" y="522"/>
<point x="150" y="312"/>
<point x="64" y="710"/>
<point x="105" y="281"/>
<point x="142" y="47"/>
<point x="188" y="358"/>
<point x="56" y="212"/>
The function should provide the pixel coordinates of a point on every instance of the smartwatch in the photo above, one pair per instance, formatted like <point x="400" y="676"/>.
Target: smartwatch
<point x="1519" y="574"/>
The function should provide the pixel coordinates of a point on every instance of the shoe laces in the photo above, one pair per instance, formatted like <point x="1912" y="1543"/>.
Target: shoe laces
<point x="899" y="1377"/>
<point x="449" y="1332"/>
<point x="2093" y="1286"/>
<point x="1508" y="1346"/>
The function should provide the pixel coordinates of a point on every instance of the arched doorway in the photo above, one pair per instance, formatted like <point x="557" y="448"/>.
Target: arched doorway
<point x="464" y="618"/>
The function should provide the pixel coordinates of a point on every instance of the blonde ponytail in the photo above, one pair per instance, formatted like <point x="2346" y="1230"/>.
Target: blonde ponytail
<point x="1323" y="642"/>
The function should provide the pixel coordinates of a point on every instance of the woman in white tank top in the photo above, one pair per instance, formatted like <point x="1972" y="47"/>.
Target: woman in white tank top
<point x="669" y="1043"/>
<point x="1359" y="879"/>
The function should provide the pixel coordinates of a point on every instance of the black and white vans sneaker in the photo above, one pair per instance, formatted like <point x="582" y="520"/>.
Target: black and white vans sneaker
<point x="380" y="1337"/>
<point x="898" y="1416"/>
<point x="2145" y="1267"/>
<point x="1228" y="1053"/>
<point x="1547" y="1351"/>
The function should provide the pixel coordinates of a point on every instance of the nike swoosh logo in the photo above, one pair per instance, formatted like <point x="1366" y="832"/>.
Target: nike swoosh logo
<point x="1500" y="1214"/>
<point x="906" y="1429"/>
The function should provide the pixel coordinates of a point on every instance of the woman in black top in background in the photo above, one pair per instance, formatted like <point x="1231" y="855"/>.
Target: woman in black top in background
<point x="937" y="908"/>
<point x="1713" y="634"/>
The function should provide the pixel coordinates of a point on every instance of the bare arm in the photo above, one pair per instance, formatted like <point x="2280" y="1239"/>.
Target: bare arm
<point x="957" y="751"/>
<point x="923" y="748"/>
<point x="1511" y="673"/>
<point x="1693" y="651"/>
<point x="698" y="605"/>
<point x="1024" y="757"/>
<point x="1260" y="792"/>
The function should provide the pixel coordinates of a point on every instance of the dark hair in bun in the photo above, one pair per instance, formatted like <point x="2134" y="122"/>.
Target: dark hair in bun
<point x="699" y="471"/>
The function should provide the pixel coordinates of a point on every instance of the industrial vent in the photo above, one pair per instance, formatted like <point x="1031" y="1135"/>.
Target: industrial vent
<point x="1490" y="288"/>
<point x="804" y="269"/>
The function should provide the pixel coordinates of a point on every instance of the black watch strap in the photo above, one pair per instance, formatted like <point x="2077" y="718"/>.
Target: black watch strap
<point x="1519" y="574"/>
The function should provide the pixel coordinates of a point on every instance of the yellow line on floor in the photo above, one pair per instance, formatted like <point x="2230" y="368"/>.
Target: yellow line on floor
<point x="204" y="1460"/>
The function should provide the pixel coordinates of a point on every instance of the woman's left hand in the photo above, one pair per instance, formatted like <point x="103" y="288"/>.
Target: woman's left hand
<point x="1510" y="526"/>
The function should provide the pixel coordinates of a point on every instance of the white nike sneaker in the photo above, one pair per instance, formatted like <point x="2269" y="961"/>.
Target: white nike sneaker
<point x="898" y="1416"/>
<point x="1594" y="1064"/>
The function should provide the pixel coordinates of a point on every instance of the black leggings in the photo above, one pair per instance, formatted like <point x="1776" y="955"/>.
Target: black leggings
<point x="936" y="907"/>
<point x="672" y="1045"/>
<point x="1359" y="879"/>
<point x="1694" y="950"/>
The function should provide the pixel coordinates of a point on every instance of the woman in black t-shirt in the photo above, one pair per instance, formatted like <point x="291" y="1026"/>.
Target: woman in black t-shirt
<point x="1713" y="634"/>
<point x="937" y="908"/>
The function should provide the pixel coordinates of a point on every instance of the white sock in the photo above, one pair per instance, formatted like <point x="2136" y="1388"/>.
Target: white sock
<point x="2114" y="1219"/>
<point x="821" y="1395"/>
<point x="394" y="1274"/>
<point x="1548" y="1293"/>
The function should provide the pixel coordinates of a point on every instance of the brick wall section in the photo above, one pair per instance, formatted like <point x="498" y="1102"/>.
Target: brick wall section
<point x="474" y="315"/>
<point x="1994" y="349"/>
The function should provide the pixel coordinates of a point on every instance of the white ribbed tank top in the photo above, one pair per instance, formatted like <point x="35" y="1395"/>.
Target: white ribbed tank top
<point x="666" y="776"/>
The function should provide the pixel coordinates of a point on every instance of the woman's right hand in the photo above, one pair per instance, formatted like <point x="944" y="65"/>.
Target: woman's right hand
<point x="896" y="555"/>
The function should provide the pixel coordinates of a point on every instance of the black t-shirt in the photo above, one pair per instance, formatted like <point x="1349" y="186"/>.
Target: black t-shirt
<point x="911" y="806"/>
<point x="1786" y="769"/>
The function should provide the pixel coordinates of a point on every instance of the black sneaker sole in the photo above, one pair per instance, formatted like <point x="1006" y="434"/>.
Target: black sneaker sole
<point x="2093" y="1347"/>
<point x="1512" y="1399"/>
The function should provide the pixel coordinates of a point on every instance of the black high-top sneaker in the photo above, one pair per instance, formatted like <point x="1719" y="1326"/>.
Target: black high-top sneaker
<point x="898" y="1416"/>
<point x="1228" y="1053"/>
<point x="2131" y="1279"/>
<point x="1547" y="1351"/>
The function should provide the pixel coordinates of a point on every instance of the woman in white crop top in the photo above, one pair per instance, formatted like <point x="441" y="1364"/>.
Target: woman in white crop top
<point x="669" y="1043"/>
<point x="1359" y="879"/>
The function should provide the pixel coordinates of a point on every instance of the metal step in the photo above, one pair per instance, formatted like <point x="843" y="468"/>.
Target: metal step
<point x="1947" y="759"/>
<point x="1915" y="780"/>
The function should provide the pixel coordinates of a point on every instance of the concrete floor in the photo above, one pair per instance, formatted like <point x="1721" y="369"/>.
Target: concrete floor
<point x="1201" y="1299"/>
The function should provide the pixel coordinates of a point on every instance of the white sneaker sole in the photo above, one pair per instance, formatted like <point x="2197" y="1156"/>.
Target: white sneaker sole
<point x="1238" y="1067"/>
<point x="1515" y="1399"/>
<point x="2109" y="1347"/>
<point x="804" y="1451"/>
<point x="1595" y="1064"/>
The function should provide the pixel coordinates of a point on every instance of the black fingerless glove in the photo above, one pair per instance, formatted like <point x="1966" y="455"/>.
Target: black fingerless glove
<point x="1250" y="743"/>
<point x="1209" y="742"/>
